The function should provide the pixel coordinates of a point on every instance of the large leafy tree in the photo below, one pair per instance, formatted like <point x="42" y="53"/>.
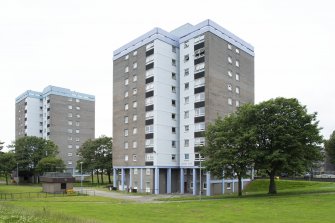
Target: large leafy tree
<point x="50" y="164"/>
<point x="7" y="163"/>
<point x="29" y="150"/>
<point x="330" y="148"/>
<point x="96" y="156"/>
<point x="288" y="138"/>
<point x="230" y="144"/>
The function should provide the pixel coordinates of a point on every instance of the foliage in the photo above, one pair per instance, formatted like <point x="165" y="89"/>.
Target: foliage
<point x="288" y="138"/>
<point x="230" y="144"/>
<point x="50" y="164"/>
<point x="96" y="155"/>
<point x="330" y="147"/>
<point x="7" y="163"/>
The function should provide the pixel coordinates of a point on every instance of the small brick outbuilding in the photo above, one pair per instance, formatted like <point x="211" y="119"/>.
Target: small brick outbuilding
<point x="53" y="182"/>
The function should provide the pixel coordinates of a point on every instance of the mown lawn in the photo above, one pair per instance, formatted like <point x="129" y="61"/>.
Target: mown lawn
<point x="293" y="207"/>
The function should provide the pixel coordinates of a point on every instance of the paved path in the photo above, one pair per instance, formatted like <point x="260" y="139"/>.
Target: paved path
<point x="151" y="198"/>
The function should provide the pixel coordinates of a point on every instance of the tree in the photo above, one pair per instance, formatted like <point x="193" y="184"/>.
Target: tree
<point x="330" y="148"/>
<point x="96" y="156"/>
<point x="29" y="150"/>
<point x="50" y="164"/>
<point x="230" y="145"/>
<point x="288" y="138"/>
<point x="7" y="163"/>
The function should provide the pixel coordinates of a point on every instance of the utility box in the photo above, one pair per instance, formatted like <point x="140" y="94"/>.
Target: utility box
<point x="53" y="182"/>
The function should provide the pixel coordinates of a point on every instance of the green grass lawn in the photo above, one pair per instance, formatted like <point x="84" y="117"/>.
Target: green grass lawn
<point x="298" y="206"/>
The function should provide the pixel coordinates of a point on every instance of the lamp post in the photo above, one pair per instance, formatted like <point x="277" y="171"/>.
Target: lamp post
<point x="81" y="176"/>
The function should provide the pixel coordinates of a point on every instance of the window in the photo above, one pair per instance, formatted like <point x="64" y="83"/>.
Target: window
<point x="77" y="131"/>
<point x="173" y="130"/>
<point x="230" y="60"/>
<point x="173" y="76"/>
<point x="69" y="138"/>
<point x="173" y="61"/>
<point x="126" y="158"/>
<point x="134" y="91"/>
<point x="230" y="73"/>
<point x="186" y="72"/>
<point x="186" y="143"/>
<point x="173" y="116"/>
<point x="126" y="81"/>
<point x="69" y="154"/>
<point x="187" y="128"/>
<point x="134" y="144"/>
<point x="237" y="77"/>
<point x="69" y="122"/>
<point x="149" y="115"/>
<point x="126" y="107"/>
<point x="69" y="99"/>
<point x="186" y="58"/>
<point x="149" y="101"/>
<point x="134" y="118"/>
<point x="126" y="132"/>
<point x="149" y="73"/>
<point x="69" y="130"/>
<point x="149" y="142"/>
<point x="204" y="185"/>
<point x="135" y="171"/>
<point x="126" y="145"/>
<point x="237" y="63"/>
<point x="77" y="139"/>
<point x="228" y="186"/>
<point x="237" y="51"/>
<point x="199" y="97"/>
<point x="186" y="86"/>
<point x="174" y="49"/>
<point x="70" y="106"/>
<point x="134" y="65"/>
<point x="149" y="86"/>
<point x="78" y="108"/>
<point x="173" y="89"/>
<point x="230" y="101"/>
<point x="149" y="59"/>
<point x="126" y="57"/>
<point x="134" y="157"/>
<point x="199" y="141"/>
<point x="126" y="119"/>
<point x="77" y="146"/>
<point x="186" y="156"/>
<point x="69" y="162"/>
<point x="230" y="88"/>
<point x="134" y="131"/>
<point x="135" y="53"/>
<point x="199" y="53"/>
<point x="186" y="114"/>
<point x="173" y="144"/>
<point x="69" y="115"/>
<point x="147" y="172"/>
<point x="77" y="100"/>
<point x="173" y="102"/>
<point x="126" y="69"/>
<point x="69" y="146"/>
<point x="199" y="126"/>
<point x="237" y="90"/>
<point x="134" y="104"/>
<point x="229" y="46"/>
<point x="187" y="100"/>
<point x="199" y="111"/>
<point x="199" y="67"/>
<point x="186" y="44"/>
<point x="149" y="46"/>
<point x="149" y="128"/>
<point x="199" y="82"/>
<point x="173" y="157"/>
<point x="126" y="94"/>
<point x="135" y="78"/>
<point x="77" y="123"/>
<point x="199" y="39"/>
<point x="237" y="103"/>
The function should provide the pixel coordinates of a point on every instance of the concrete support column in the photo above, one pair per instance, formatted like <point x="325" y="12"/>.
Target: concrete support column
<point x="208" y="182"/>
<point x="168" y="181"/>
<point x="114" y="177"/>
<point x="130" y="179"/>
<point x="157" y="181"/>
<point x="181" y="180"/>
<point x="233" y="185"/>
<point x="242" y="183"/>
<point x="223" y="186"/>
<point x="141" y="179"/>
<point x="122" y="179"/>
<point x="194" y="180"/>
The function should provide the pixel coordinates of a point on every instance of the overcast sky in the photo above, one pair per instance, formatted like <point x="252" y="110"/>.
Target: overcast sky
<point x="70" y="43"/>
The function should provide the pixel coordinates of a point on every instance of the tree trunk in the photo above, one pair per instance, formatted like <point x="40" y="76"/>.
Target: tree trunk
<point x="92" y="176"/>
<point x="272" y="186"/>
<point x="102" y="177"/>
<point x="6" y="175"/>
<point x="239" y="185"/>
<point x="109" y="176"/>
<point x="97" y="177"/>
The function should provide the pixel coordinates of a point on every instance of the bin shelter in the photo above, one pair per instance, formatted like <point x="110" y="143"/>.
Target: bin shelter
<point x="54" y="182"/>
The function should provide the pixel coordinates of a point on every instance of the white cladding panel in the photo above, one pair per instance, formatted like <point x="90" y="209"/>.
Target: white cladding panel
<point x="33" y="117"/>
